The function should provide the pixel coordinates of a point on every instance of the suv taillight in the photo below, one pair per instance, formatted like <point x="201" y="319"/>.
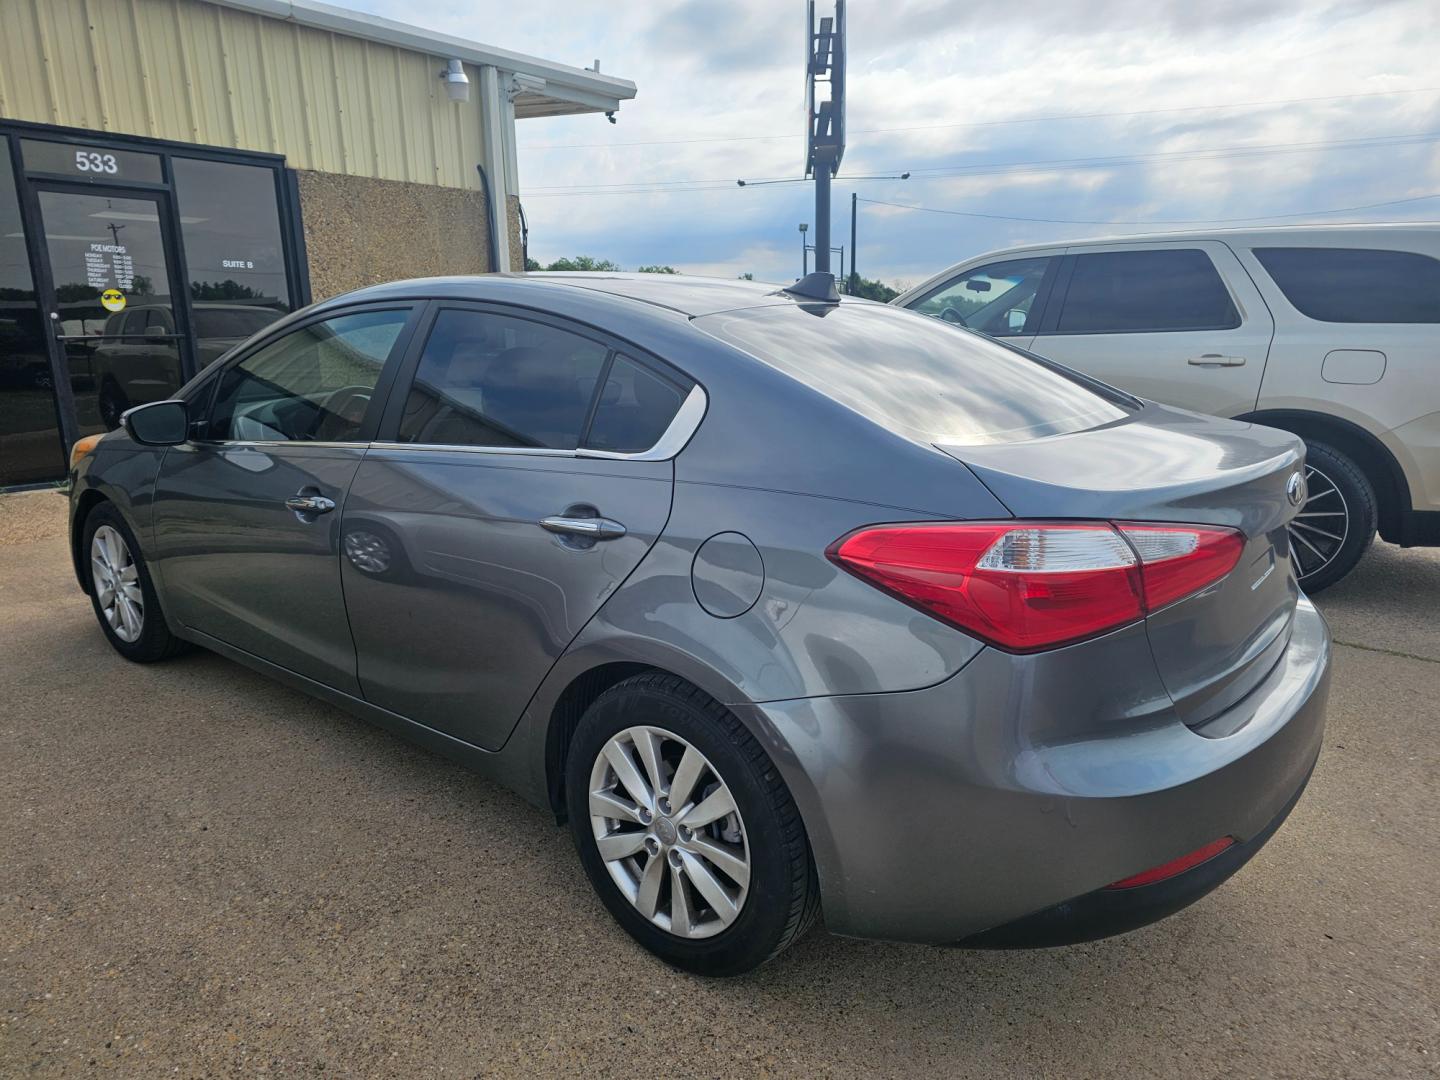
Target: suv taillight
<point x="1025" y="586"/>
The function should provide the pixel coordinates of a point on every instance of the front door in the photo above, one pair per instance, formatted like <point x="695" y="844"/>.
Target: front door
<point x="111" y="299"/>
<point x="477" y="540"/>
<point x="247" y="514"/>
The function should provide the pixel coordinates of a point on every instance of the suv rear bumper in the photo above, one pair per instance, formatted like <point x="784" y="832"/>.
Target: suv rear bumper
<point x="938" y="814"/>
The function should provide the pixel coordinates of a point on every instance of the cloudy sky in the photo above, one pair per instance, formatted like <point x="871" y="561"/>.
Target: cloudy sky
<point x="1104" y="116"/>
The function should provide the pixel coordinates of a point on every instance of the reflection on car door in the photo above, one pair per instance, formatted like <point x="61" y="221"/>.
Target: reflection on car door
<point x="247" y="514"/>
<point x="460" y="599"/>
<point x="1181" y="323"/>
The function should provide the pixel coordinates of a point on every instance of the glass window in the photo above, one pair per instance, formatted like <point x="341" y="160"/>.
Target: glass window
<point x="1356" y="285"/>
<point x="311" y="385"/>
<point x="492" y="380"/>
<point x="1133" y="291"/>
<point x="930" y="382"/>
<point x="230" y="226"/>
<point x="635" y="407"/>
<point x="90" y="162"/>
<point x="997" y="299"/>
<point x="30" y="449"/>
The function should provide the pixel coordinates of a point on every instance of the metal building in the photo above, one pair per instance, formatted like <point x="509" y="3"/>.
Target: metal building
<point x="174" y="174"/>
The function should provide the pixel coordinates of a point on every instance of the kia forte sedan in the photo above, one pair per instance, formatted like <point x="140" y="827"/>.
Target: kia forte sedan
<point x="788" y="604"/>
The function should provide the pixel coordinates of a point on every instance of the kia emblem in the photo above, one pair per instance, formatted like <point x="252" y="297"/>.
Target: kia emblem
<point x="1295" y="489"/>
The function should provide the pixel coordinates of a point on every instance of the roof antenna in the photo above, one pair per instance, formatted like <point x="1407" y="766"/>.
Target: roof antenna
<point x="817" y="286"/>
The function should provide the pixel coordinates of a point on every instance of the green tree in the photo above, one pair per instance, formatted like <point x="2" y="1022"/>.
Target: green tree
<point x="871" y="289"/>
<point x="658" y="270"/>
<point x="747" y="276"/>
<point x="583" y="262"/>
<point x="532" y="264"/>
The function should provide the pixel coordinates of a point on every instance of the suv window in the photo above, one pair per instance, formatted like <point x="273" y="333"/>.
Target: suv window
<point x="311" y="385"/>
<point x="930" y="382"/>
<point x="1138" y="291"/>
<point x="636" y="406"/>
<point x="1356" y="285"/>
<point x="997" y="299"/>
<point x="486" y="379"/>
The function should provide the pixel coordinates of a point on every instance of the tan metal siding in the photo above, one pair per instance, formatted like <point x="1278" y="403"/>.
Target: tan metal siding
<point x="196" y="72"/>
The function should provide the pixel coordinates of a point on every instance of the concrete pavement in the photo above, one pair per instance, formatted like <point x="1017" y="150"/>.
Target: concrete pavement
<point x="205" y="874"/>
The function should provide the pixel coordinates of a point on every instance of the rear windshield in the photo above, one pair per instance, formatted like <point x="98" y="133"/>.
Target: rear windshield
<point x="927" y="380"/>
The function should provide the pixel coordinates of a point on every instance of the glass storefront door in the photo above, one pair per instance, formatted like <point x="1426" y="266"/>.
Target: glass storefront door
<point x="112" y="308"/>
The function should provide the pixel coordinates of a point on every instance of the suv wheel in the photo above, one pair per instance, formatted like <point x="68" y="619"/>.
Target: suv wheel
<point x="1336" y="522"/>
<point x="686" y="830"/>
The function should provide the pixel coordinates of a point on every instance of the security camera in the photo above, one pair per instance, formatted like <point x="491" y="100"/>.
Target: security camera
<point x="457" y="83"/>
<point x="610" y="116"/>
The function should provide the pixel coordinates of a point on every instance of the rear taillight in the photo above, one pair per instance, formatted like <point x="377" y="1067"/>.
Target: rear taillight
<point x="1027" y="586"/>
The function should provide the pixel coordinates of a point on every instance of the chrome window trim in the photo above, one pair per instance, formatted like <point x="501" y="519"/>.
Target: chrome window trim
<point x="674" y="439"/>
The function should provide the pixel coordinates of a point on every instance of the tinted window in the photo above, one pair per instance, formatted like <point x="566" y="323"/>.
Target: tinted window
<point x="1129" y="291"/>
<point x="493" y="380"/>
<point x="997" y="299"/>
<point x="311" y="385"/>
<point x="1355" y="285"/>
<point x="917" y="376"/>
<point x="636" y="406"/>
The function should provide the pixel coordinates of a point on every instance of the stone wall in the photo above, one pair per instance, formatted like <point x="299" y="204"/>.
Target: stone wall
<point x="361" y="231"/>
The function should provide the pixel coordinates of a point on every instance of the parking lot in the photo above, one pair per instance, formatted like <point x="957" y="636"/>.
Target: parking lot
<point x="203" y="873"/>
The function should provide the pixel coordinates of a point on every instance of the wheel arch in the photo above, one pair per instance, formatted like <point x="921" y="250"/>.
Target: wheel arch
<point x="1371" y="456"/>
<point x="84" y="504"/>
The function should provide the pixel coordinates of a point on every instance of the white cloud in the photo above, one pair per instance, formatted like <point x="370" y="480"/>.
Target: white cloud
<point x="716" y="71"/>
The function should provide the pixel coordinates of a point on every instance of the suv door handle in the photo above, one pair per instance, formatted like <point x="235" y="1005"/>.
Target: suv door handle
<point x="310" y="504"/>
<point x="1216" y="360"/>
<point x="591" y="528"/>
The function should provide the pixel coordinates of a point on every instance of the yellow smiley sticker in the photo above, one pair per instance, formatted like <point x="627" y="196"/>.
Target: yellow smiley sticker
<point x="112" y="300"/>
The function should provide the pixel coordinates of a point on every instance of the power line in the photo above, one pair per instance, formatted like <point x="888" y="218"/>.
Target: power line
<point x="996" y="123"/>
<point x="647" y="187"/>
<point x="1181" y="221"/>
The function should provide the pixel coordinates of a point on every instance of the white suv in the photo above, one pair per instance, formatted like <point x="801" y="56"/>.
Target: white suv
<point x="1331" y="332"/>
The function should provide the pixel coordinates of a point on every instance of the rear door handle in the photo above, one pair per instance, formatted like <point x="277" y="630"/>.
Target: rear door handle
<point x="310" y="504"/>
<point x="591" y="528"/>
<point x="1216" y="360"/>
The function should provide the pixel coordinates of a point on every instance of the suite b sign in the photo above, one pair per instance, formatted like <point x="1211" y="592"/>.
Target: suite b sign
<point x="90" y="162"/>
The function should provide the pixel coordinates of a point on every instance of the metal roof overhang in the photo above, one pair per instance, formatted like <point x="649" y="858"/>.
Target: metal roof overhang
<point x="566" y="91"/>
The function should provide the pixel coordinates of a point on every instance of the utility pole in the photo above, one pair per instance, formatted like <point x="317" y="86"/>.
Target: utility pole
<point x="854" y="280"/>
<point x="825" y="120"/>
<point x="804" y="250"/>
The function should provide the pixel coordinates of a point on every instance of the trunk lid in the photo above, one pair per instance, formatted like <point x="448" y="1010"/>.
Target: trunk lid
<point x="1165" y="465"/>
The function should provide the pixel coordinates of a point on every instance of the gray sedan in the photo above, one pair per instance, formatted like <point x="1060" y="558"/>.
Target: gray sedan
<point x="787" y="603"/>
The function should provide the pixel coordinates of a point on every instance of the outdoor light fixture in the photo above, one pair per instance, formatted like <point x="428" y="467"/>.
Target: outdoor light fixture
<point x="457" y="83"/>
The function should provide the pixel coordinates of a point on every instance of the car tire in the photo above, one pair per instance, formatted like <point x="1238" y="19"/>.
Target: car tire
<point x="1336" y="523"/>
<point x="137" y="630"/>
<point x="779" y="899"/>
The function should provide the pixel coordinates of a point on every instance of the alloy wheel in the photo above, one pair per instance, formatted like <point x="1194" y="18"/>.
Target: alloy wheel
<point x="1319" y="531"/>
<point x="116" y="580"/>
<point x="669" y="831"/>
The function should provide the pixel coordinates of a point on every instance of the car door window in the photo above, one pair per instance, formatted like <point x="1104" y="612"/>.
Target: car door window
<point x="1356" y="285"/>
<point x="310" y="385"/>
<point x="998" y="299"/>
<point x="486" y="379"/>
<point x="636" y="406"/>
<point x="1126" y="292"/>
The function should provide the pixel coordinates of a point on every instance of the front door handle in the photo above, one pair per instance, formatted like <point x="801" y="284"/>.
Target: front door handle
<point x="310" y="504"/>
<point x="590" y="528"/>
<point x="1216" y="360"/>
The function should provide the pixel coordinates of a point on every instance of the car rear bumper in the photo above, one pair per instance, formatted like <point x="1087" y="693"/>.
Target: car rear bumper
<point x="940" y="814"/>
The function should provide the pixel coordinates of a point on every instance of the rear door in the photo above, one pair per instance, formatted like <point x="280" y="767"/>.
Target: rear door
<point x="516" y="484"/>
<point x="247" y="513"/>
<point x="1180" y="323"/>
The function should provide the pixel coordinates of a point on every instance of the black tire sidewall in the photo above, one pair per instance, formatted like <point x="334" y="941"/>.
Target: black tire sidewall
<point x="155" y="640"/>
<point x="1359" y="496"/>
<point x="760" y="928"/>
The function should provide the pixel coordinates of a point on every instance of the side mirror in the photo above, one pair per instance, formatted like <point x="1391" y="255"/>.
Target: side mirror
<point x="161" y="423"/>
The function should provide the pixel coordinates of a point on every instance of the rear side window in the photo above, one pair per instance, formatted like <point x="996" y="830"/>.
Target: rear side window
<point x="1120" y="292"/>
<point x="486" y="379"/>
<point x="636" y="406"/>
<point x="1356" y="285"/>
<point x="917" y="376"/>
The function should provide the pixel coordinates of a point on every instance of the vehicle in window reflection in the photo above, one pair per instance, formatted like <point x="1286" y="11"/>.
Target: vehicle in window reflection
<point x="752" y="586"/>
<point x="136" y="358"/>
<point x="1329" y="332"/>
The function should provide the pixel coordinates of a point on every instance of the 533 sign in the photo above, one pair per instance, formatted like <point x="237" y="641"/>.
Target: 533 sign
<point x="90" y="161"/>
